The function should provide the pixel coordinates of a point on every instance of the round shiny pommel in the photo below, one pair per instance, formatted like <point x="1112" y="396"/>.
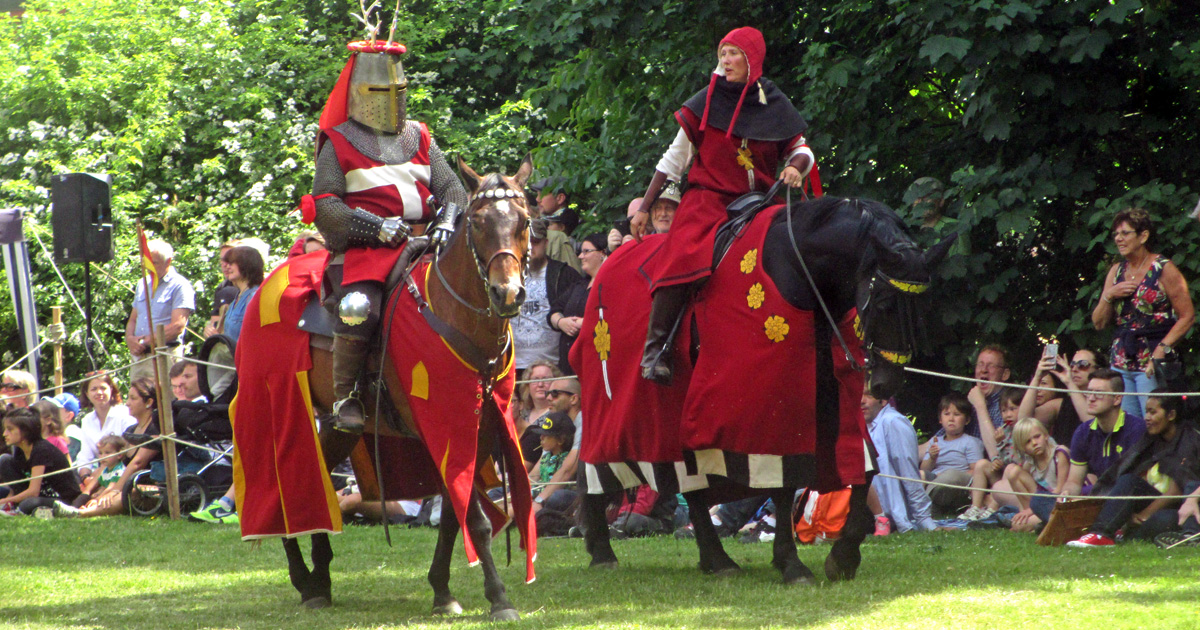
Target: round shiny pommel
<point x="354" y="308"/>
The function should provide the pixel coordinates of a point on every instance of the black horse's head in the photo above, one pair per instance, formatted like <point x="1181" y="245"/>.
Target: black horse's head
<point x="497" y="231"/>
<point x="893" y="277"/>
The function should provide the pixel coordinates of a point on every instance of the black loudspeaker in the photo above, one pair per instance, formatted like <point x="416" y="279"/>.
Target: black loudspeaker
<point x="82" y="217"/>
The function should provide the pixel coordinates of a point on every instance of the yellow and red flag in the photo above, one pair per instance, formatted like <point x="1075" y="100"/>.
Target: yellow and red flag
<point x="147" y="262"/>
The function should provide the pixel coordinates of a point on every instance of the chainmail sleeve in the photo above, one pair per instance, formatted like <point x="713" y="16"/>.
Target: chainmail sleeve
<point x="342" y="226"/>
<point x="446" y="186"/>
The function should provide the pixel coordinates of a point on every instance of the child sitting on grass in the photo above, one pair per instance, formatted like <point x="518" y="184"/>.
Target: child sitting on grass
<point x="1045" y="468"/>
<point x="952" y="459"/>
<point x="109" y="466"/>
<point x="989" y="471"/>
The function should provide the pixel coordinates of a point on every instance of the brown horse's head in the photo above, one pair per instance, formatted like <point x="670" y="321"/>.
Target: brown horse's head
<point x="497" y="230"/>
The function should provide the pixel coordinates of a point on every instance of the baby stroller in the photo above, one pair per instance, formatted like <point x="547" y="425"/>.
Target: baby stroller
<point x="206" y="470"/>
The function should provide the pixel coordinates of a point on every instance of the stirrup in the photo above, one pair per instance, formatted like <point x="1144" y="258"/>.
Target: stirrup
<point x="659" y="371"/>
<point x="349" y="416"/>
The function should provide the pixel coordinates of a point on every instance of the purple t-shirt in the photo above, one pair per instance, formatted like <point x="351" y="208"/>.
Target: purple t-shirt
<point x="1092" y="447"/>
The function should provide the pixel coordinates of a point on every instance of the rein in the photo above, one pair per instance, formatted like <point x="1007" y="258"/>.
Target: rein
<point x="811" y="283"/>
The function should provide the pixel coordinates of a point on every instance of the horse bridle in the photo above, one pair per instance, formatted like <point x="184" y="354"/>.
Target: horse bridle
<point x="482" y="267"/>
<point x="906" y="288"/>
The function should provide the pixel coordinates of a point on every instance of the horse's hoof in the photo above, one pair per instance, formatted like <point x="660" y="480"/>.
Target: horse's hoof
<point x="603" y="564"/>
<point x="836" y="573"/>
<point x="508" y="614"/>
<point x="799" y="576"/>
<point x="314" y="603"/>
<point x="449" y="608"/>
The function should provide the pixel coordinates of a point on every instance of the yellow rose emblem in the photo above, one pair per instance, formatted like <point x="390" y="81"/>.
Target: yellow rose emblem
<point x="777" y="328"/>
<point x="858" y="331"/>
<point x="756" y="295"/>
<point x="749" y="260"/>
<point x="602" y="340"/>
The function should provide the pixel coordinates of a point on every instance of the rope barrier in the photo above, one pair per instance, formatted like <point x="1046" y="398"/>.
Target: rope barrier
<point x="199" y="362"/>
<point x="82" y="380"/>
<point x="78" y="467"/>
<point x="26" y="355"/>
<point x="972" y="379"/>
<point x="1060" y="497"/>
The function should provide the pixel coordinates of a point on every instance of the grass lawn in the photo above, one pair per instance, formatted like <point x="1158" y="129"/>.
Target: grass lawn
<point x="123" y="573"/>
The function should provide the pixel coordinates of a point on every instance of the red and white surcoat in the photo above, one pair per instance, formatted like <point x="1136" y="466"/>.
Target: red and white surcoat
<point x="385" y="190"/>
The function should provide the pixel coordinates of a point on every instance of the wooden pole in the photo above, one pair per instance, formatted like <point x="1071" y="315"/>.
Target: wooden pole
<point x="56" y="319"/>
<point x="166" y="421"/>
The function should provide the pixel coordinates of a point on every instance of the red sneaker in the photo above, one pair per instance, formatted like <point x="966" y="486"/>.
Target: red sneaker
<point x="883" y="525"/>
<point x="1092" y="540"/>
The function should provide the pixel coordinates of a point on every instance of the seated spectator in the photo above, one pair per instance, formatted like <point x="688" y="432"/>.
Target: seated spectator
<point x="564" y="398"/>
<point x="108" y="499"/>
<point x="534" y="403"/>
<point x="23" y="470"/>
<point x="68" y="412"/>
<point x="108" y="468"/>
<point x="18" y="388"/>
<point x="566" y="307"/>
<point x="1096" y="446"/>
<point x="990" y="365"/>
<point x="1083" y="363"/>
<point x="52" y="429"/>
<point x="185" y="381"/>
<point x="951" y="459"/>
<point x="989" y="473"/>
<point x="1044" y="467"/>
<point x="1047" y="406"/>
<point x="107" y="417"/>
<point x="900" y="504"/>
<point x="355" y="509"/>
<point x="243" y="268"/>
<point x="557" y="434"/>
<point x="643" y="512"/>
<point x="1163" y="462"/>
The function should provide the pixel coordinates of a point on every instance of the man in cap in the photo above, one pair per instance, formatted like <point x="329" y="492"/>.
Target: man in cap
<point x="376" y="173"/>
<point x="552" y="206"/>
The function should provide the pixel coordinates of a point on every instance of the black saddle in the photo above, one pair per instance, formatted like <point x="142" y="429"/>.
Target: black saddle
<point x="741" y="212"/>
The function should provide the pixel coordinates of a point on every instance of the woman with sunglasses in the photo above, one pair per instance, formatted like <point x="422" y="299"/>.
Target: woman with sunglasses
<point x="107" y="417"/>
<point x="1146" y="296"/>
<point x="18" y="389"/>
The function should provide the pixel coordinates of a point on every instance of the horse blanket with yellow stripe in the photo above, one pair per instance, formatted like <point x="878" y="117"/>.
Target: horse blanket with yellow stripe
<point x="283" y="488"/>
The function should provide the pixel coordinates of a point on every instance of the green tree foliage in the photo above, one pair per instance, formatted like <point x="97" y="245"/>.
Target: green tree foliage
<point x="1042" y="117"/>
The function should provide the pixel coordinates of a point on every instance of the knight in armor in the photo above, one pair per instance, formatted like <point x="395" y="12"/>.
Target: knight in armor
<point x="377" y="173"/>
<point x="733" y="137"/>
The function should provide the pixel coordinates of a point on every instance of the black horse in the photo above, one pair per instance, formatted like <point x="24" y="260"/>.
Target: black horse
<point x="826" y="256"/>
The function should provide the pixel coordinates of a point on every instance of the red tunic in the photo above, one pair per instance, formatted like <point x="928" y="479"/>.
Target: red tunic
<point x="385" y="190"/>
<point x="769" y="381"/>
<point x="715" y="179"/>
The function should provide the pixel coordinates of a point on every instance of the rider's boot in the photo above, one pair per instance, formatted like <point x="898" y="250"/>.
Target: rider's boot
<point x="349" y="357"/>
<point x="666" y="313"/>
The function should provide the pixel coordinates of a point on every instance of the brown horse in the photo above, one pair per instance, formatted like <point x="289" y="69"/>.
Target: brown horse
<point x="477" y="285"/>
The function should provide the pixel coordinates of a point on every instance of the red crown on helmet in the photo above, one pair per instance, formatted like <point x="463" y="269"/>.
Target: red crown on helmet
<point x="334" y="113"/>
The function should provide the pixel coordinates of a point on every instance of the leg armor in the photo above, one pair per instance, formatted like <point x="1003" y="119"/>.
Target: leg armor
<point x="358" y="317"/>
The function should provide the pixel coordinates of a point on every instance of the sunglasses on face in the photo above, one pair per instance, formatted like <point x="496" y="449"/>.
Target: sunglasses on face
<point x="554" y="393"/>
<point x="1081" y="364"/>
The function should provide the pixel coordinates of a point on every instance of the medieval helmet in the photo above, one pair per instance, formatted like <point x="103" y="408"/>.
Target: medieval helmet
<point x="378" y="91"/>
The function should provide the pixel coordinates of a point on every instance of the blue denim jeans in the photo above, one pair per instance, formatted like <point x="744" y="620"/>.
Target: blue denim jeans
<point x="1136" y="381"/>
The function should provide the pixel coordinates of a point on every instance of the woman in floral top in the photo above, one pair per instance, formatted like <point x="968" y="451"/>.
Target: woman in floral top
<point x="1147" y="297"/>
